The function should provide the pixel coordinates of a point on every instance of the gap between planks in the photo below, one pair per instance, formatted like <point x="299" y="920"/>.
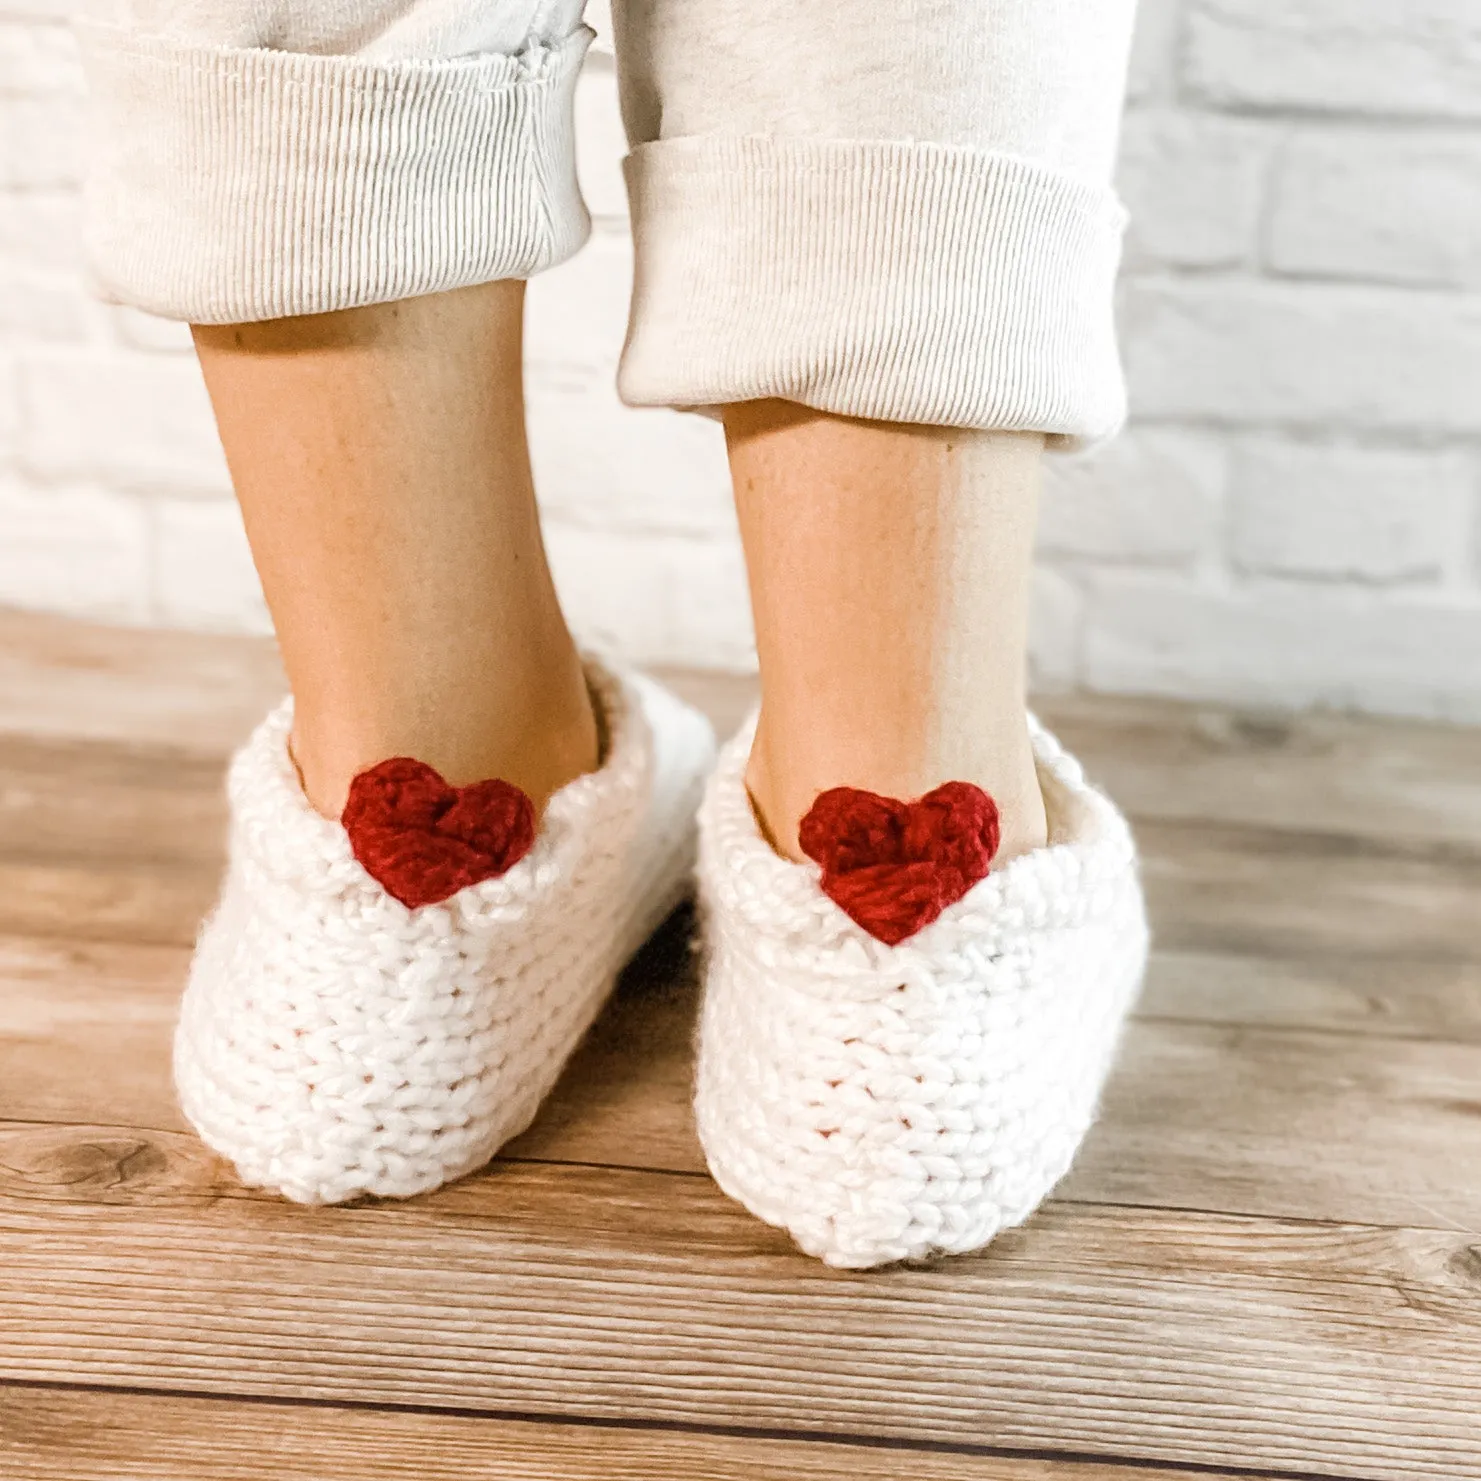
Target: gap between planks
<point x="639" y="1296"/>
<point x="1233" y="1118"/>
<point x="76" y="1434"/>
<point x="1327" y="866"/>
<point x="1160" y="758"/>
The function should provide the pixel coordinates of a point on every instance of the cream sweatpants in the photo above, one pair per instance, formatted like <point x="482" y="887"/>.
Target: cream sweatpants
<point x="894" y="209"/>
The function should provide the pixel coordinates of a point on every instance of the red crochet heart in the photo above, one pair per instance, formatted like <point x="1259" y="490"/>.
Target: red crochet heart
<point x="895" y="866"/>
<point x="424" y="840"/>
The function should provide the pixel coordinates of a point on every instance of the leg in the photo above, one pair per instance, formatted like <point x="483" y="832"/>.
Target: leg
<point x="343" y="199"/>
<point x="379" y="455"/>
<point x="883" y="241"/>
<point x="915" y="240"/>
<point x="364" y="357"/>
<point x="889" y="579"/>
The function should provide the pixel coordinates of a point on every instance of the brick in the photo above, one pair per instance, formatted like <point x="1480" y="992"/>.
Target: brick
<point x="1397" y="206"/>
<point x="38" y="10"/>
<point x="1056" y="614"/>
<point x="141" y="422"/>
<point x="1153" y="49"/>
<point x="46" y="306"/>
<point x="10" y="409"/>
<point x="203" y="576"/>
<point x="601" y="142"/>
<point x="711" y="608"/>
<point x="1193" y="184"/>
<point x="77" y="550"/>
<point x="40" y="142"/>
<point x="656" y="599"/>
<point x="1361" y="513"/>
<point x="1420" y="58"/>
<point x="36" y="60"/>
<point x="1300" y="355"/>
<point x="1285" y="646"/>
<point x="1150" y="496"/>
<point x="603" y="465"/>
<point x="578" y="313"/>
<point x="1475" y="541"/>
<point x="42" y="229"/>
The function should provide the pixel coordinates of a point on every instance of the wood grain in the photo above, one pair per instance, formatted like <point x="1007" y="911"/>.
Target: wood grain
<point x="1161" y="759"/>
<point x="128" y="1258"/>
<point x="1236" y="1118"/>
<point x="82" y="681"/>
<point x="1291" y="1125"/>
<point x="1267" y="1259"/>
<point x="1395" y="997"/>
<point x="136" y="805"/>
<point x="1274" y="892"/>
<point x="94" y="1435"/>
<point x="1321" y="772"/>
<point x="1211" y="888"/>
<point x="85" y="1031"/>
<point x="82" y="899"/>
<point x="1229" y="1117"/>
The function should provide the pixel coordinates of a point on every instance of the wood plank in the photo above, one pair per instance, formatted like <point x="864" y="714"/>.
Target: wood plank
<point x="1160" y="758"/>
<point x="1227" y="1118"/>
<point x="1316" y="772"/>
<point x="1265" y="892"/>
<point x="80" y="899"/>
<point x="128" y="1259"/>
<point x="91" y="994"/>
<point x="1289" y="1124"/>
<point x="85" y="1028"/>
<point x="81" y="680"/>
<point x="49" y="1434"/>
<point x="1224" y="1117"/>
<point x="1210" y="888"/>
<point x="66" y="799"/>
<point x="1417" y="997"/>
<point x="1268" y="1257"/>
<point x="129" y="841"/>
<point x="201" y="692"/>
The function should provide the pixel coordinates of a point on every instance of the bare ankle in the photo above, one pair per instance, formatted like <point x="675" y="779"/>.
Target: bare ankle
<point x="785" y="780"/>
<point x="1015" y="788"/>
<point x="539" y="743"/>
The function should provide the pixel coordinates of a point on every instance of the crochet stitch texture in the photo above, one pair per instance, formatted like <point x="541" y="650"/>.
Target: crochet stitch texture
<point x="895" y="866"/>
<point x="888" y="1103"/>
<point x="424" y="840"/>
<point x="334" y="1042"/>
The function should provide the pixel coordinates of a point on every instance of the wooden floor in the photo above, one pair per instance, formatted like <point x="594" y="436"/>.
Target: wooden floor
<point x="1267" y="1261"/>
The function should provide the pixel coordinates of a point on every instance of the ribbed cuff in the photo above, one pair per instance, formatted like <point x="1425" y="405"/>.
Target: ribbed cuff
<point x="231" y="185"/>
<point x="908" y="282"/>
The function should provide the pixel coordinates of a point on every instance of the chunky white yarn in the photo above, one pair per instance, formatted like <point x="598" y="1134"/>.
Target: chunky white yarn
<point x="891" y="1103"/>
<point x="333" y="1042"/>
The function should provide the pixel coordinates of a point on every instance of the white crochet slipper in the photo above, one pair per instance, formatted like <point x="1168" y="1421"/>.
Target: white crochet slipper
<point x="887" y="1103"/>
<point x="335" y="1042"/>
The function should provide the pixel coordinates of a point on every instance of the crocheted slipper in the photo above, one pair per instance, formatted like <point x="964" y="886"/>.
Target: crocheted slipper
<point x="892" y="1102"/>
<point x="335" y="1041"/>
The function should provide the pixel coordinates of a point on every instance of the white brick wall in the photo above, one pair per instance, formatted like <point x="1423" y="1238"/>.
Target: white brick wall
<point x="1294" y="515"/>
<point x="1390" y="58"/>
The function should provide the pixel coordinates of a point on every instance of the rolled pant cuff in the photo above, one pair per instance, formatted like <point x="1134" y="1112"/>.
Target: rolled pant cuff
<point x="231" y="185"/>
<point x="909" y="282"/>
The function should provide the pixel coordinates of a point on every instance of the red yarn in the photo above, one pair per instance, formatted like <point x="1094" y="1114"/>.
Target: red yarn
<point x="895" y="866"/>
<point x="424" y="840"/>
